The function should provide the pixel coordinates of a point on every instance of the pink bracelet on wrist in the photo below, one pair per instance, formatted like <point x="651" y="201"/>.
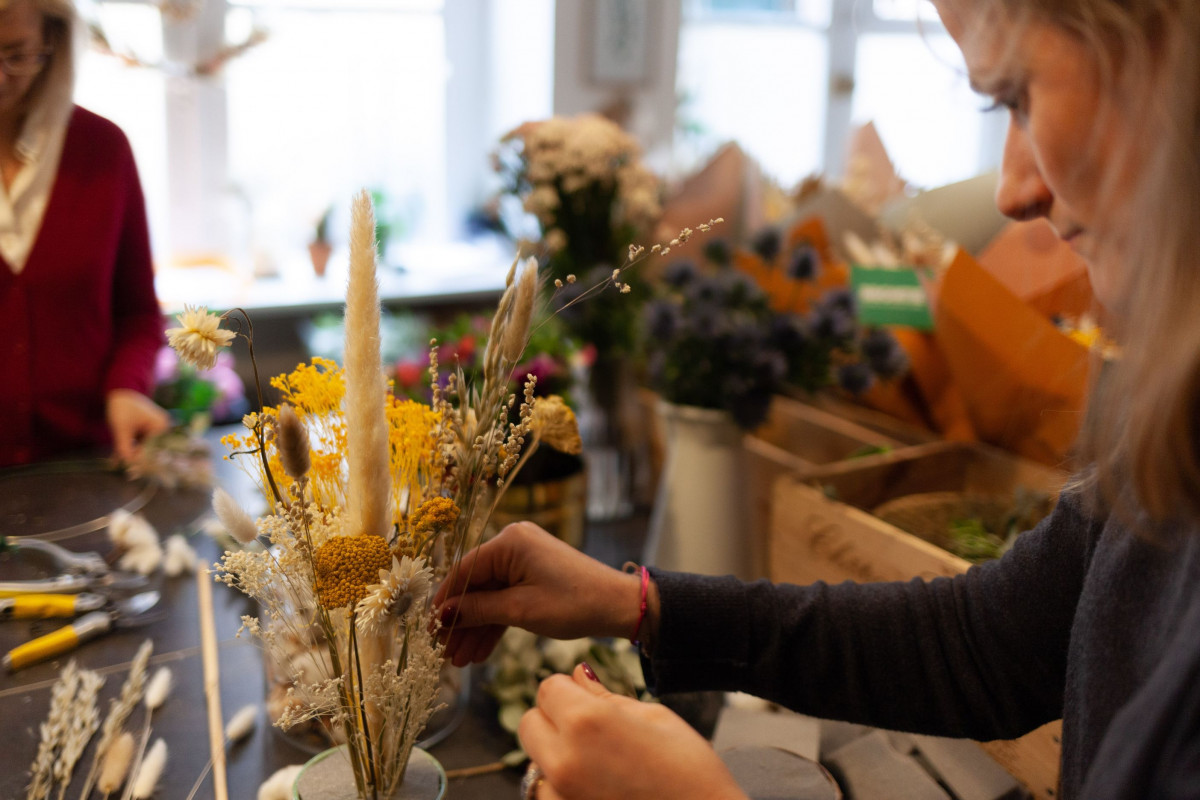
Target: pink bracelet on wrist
<point x="637" y="629"/>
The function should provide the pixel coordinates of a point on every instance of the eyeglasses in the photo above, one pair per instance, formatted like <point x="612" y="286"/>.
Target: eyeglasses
<point x="22" y="64"/>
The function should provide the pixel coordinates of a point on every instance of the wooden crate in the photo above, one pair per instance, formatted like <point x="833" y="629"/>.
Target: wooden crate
<point x="813" y="537"/>
<point x="796" y="439"/>
<point x="870" y="418"/>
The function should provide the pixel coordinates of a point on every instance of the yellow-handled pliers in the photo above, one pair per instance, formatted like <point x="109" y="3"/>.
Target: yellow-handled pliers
<point x="130" y="611"/>
<point x="46" y="606"/>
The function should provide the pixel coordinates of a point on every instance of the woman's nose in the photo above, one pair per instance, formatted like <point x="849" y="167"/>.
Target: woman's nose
<point x="1021" y="193"/>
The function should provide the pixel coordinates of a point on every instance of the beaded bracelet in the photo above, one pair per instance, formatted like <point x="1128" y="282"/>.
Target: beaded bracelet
<point x="630" y="567"/>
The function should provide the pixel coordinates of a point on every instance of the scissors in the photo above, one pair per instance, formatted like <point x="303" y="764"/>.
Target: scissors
<point x="74" y="572"/>
<point x="100" y="615"/>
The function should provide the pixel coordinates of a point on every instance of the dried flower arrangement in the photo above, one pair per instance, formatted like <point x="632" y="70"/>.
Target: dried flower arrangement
<point x="373" y="499"/>
<point x="583" y="180"/>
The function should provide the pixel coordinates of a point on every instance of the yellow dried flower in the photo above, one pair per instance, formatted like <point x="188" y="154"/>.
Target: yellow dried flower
<point x="346" y="565"/>
<point x="435" y="514"/>
<point x="554" y="423"/>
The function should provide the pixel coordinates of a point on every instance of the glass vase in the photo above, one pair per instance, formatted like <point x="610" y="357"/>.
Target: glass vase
<point x="614" y="439"/>
<point x="328" y="776"/>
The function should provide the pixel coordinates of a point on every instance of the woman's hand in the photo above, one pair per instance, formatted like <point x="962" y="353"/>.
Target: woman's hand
<point x="591" y="743"/>
<point x="528" y="578"/>
<point x="132" y="417"/>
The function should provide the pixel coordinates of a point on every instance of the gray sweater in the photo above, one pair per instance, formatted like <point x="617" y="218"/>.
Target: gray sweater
<point x="1081" y="620"/>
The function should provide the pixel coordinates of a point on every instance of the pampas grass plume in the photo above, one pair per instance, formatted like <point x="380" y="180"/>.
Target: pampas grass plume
<point x="516" y="333"/>
<point x="292" y="442"/>
<point x="116" y="763"/>
<point x="151" y="770"/>
<point x="158" y="688"/>
<point x="242" y="723"/>
<point x="239" y="524"/>
<point x="279" y="785"/>
<point x="369" y="489"/>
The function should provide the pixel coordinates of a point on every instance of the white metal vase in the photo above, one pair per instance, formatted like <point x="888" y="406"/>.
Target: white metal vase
<point x="699" y="519"/>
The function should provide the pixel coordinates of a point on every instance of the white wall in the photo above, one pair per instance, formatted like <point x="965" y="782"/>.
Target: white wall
<point x="652" y="100"/>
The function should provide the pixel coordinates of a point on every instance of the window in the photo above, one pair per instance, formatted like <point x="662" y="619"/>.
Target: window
<point x="790" y="79"/>
<point x="239" y="165"/>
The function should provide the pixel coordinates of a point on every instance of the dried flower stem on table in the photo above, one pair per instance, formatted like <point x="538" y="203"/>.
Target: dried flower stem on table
<point x="119" y="711"/>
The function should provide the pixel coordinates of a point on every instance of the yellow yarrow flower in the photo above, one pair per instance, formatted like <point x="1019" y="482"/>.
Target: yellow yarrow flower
<point x="435" y="514"/>
<point x="346" y="566"/>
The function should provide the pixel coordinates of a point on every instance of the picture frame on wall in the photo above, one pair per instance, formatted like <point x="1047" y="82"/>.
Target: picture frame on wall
<point x="620" y="40"/>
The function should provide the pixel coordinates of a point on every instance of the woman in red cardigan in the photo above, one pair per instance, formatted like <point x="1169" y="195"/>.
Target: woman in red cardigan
<point x="79" y="320"/>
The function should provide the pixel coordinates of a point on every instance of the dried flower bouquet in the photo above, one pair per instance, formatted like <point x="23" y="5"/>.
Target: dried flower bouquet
<point x="373" y="499"/>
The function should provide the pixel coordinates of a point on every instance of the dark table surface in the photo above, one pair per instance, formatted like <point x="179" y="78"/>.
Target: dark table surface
<point x="54" y="501"/>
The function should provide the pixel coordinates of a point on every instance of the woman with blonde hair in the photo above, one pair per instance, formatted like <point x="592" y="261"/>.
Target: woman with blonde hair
<point x="1093" y="617"/>
<point x="79" y="320"/>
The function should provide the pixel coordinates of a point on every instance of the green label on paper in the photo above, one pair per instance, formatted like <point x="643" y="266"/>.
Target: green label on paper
<point x="890" y="297"/>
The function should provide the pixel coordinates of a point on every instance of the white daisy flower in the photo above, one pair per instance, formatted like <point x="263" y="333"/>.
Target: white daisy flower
<point x="405" y="586"/>
<point x="199" y="337"/>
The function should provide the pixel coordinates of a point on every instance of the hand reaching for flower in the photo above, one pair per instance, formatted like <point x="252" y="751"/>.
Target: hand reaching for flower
<point x="591" y="743"/>
<point x="132" y="417"/>
<point x="528" y="578"/>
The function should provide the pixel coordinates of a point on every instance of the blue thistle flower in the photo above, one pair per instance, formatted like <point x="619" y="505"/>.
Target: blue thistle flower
<point x="662" y="319"/>
<point x="804" y="263"/>
<point x="679" y="273"/>
<point x="788" y="332"/>
<point x="718" y="251"/>
<point x="883" y="353"/>
<point x="855" y="377"/>
<point x="767" y="243"/>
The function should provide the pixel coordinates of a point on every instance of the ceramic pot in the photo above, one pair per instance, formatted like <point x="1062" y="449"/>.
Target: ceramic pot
<point x="699" y="519"/>
<point x="328" y="776"/>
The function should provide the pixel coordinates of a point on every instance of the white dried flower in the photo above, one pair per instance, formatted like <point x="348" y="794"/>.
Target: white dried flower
<point x="626" y="288"/>
<point x="279" y="785"/>
<point x="555" y="239"/>
<point x="116" y="763"/>
<point x="199" y="337"/>
<point x="239" y="524"/>
<point x="150" y="771"/>
<point x="404" y="586"/>
<point x="158" y="688"/>
<point x="179" y="558"/>
<point x="562" y="655"/>
<point x="242" y="723"/>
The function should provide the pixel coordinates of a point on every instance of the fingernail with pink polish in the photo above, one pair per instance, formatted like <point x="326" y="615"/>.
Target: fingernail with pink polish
<point x="587" y="670"/>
